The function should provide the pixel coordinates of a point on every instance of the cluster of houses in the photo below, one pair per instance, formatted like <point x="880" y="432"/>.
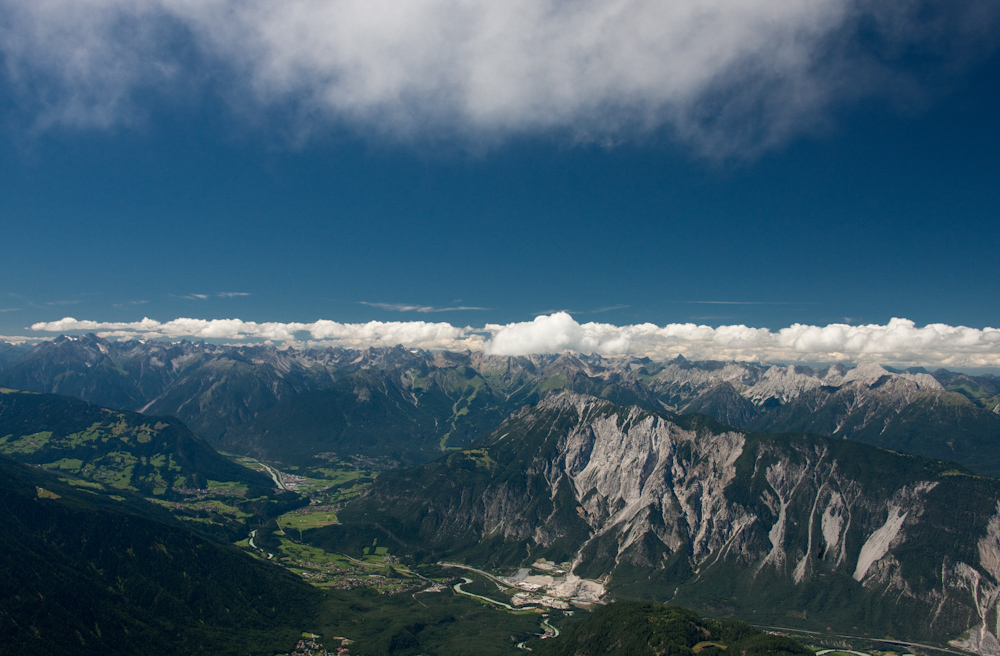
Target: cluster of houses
<point x="383" y="584"/>
<point x="342" y="578"/>
<point x="312" y="647"/>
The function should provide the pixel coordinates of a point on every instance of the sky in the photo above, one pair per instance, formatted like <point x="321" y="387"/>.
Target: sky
<point x="764" y="179"/>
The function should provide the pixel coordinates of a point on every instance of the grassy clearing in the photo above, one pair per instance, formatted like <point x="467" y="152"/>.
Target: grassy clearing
<point x="480" y="457"/>
<point x="68" y="464"/>
<point x="339" y="475"/>
<point x="76" y="482"/>
<point x="92" y="434"/>
<point x="305" y="555"/>
<point x="46" y="494"/>
<point x="217" y="507"/>
<point x="228" y="488"/>
<point x="307" y="518"/>
<point x="701" y="645"/>
<point x="25" y="444"/>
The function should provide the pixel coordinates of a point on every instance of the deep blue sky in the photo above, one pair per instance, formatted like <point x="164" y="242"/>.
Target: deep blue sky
<point x="888" y="210"/>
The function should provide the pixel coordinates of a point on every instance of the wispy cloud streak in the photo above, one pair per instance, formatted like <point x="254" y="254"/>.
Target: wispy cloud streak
<point x="424" y="309"/>
<point x="746" y="303"/>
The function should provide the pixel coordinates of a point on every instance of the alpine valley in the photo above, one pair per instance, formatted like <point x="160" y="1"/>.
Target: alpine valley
<point x="391" y="501"/>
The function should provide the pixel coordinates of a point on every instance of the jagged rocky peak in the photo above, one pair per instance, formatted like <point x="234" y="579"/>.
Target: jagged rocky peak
<point x="871" y="373"/>
<point x="723" y="402"/>
<point x="572" y="364"/>
<point x="832" y="372"/>
<point x="87" y="347"/>
<point x="783" y="383"/>
<point x="449" y="358"/>
<point x="386" y="357"/>
<point x="506" y="363"/>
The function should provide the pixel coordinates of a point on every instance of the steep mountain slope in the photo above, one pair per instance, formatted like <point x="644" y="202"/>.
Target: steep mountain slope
<point x="723" y="402"/>
<point x="784" y="529"/>
<point x="11" y="352"/>
<point x="895" y="413"/>
<point x="361" y="416"/>
<point x="122" y="449"/>
<point x="983" y="391"/>
<point x="84" y="574"/>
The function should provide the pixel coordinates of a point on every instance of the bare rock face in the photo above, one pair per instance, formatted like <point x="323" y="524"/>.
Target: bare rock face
<point x="684" y="508"/>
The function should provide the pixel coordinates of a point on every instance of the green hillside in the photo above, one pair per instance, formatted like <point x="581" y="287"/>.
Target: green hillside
<point x="125" y="450"/>
<point x="83" y="573"/>
<point x="645" y="629"/>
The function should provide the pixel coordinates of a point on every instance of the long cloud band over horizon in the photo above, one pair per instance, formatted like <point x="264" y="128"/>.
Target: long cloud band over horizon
<point x="899" y="343"/>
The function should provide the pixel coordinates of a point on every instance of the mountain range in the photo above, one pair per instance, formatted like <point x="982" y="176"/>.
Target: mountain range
<point x="737" y="489"/>
<point x="789" y="530"/>
<point x="407" y="407"/>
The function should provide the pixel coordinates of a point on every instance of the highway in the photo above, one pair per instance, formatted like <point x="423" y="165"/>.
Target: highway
<point x="275" y="475"/>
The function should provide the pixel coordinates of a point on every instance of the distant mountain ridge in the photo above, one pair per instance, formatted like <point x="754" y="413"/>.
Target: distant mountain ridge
<point x="289" y="404"/>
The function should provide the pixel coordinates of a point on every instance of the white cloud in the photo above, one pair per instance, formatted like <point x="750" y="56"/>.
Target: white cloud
<point x="415" y="334"/>
<point x="900" y="342"/>
<point x="723" y="74"/>
<point x="19" y="339"/>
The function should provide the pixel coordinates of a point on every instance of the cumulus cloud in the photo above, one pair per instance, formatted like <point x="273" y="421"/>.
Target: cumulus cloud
<point x="725" y="75"/>
<point x="414" y="334"/>
<point x="900" y="342"/>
